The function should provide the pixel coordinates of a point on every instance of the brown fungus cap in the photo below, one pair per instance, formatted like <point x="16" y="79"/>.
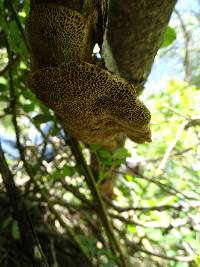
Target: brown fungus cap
<point x="93" y="105"/>
<point x="58" y="34"/>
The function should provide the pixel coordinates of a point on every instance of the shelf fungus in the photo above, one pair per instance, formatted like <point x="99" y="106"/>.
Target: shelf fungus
<point x="93" y="105"/>
<point x="59" y="34"/>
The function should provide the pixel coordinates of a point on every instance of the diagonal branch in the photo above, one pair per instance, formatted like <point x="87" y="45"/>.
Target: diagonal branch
<point x="134" y="34"/>
<point x="95" y="192"/>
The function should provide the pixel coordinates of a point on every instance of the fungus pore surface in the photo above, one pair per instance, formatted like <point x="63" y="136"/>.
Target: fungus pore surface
<point x="58" y="34"/>
<point x="92" y="104"/>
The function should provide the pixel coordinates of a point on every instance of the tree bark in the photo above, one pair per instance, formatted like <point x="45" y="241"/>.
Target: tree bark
<point x="134" y="33"/>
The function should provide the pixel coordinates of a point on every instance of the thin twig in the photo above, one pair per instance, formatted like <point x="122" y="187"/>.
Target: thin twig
<point x="45" y="197"/>
<point x="165" y="187"/>
<point x="158" y="208"/>
<point x="116" y="249"/>
<point x="9" y="65"/>
<point x="178" y="153"/>
<point x="169" y="150"/>
<point x="75" y="192"/>
<point x="186" y="34"/>
<point x="13" y="106"/>
<point x="137" y="247"/>
<point x="162" y="256"/>
<point x="192" y="123"/>
<point x="19" y="25"/>
<point x="28" y="235"/>
<point x="53" y="252"/>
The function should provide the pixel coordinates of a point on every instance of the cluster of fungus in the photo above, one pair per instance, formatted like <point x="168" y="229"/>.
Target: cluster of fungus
<point x="93" y="105"/>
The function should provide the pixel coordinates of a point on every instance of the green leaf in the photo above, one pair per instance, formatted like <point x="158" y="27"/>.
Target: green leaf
<point x="15" y="230"/>
<point x="28" y="107"/>
<point x="16" y="41"/>
<point x="104" y="154"/>
<point x="118" y="162"/>
<point x="67" y="171"/>
<point x="3" y="87"/>
<point x="197" y="260"/>
<point x="106" y="157"/>
<point x="37" y="253"/>
<point x="169" y="37"/>
<point x="61" y="173"/>
<point x="55" y="131"/>
<point x="131" y="229"/>
<point x="4" y="98"/>
<point x="6" y="222"/>
<point x="121" y="153"/>
<point x="41" y="118"/>
<point x="94" y="147"/>
<point x="44" y="109"/>
<point x="56" y="175"/>
<point x="89" y="243"/>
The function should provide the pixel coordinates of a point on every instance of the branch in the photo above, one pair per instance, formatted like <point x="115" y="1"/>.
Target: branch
<point x="162" y="256"/>
<point x="18" y="22"/>
<point x="9" y="65"/>
<point x="192" y="123"/>
<point x="29" y="238"/>
<point x="165" y="187"/>
<point x="187" y="61"/>
<point x="170" y="149"/>
<point x="144" y="209"/>
<point x="13" y="105"/>
<point x="24" y="222"/>
<point x="96" y="195"/>
<point x="75" y="192"/>
<point x="135" y="32"/>
<point x="174" y="154"/>
<point x="152" y="224"/>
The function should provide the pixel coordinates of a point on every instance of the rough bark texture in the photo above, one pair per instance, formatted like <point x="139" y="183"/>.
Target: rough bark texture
<point x="134" y="34"/>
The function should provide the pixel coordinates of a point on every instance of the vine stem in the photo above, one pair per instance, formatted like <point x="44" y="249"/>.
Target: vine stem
<point x="90" y="180"/>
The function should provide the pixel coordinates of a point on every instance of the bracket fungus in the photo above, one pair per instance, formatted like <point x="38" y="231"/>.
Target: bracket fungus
<point x="93" y="105"/>
<point x="59" y="34"/>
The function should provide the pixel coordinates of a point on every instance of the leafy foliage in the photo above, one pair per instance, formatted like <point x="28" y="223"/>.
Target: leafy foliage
<point x="169" y="37"/>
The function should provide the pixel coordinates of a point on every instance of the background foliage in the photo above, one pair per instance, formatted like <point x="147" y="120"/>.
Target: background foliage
<point x="155" y="213"/>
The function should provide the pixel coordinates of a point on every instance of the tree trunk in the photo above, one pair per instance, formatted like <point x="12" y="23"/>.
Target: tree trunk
<point x="133" y="36"/>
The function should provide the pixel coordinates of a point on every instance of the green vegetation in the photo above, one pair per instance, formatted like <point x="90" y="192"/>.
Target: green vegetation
<point x="155" y="213"/>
